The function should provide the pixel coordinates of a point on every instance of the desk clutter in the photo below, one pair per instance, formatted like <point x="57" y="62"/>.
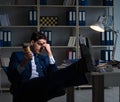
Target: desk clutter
<point x="104" y="68"/>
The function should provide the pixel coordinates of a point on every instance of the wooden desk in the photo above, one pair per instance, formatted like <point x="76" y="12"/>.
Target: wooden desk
<point x="101" y="80"/>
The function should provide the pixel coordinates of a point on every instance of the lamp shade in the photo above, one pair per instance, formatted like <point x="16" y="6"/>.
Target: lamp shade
<point x="103" y="23"/>
<point x="98" y="27"/>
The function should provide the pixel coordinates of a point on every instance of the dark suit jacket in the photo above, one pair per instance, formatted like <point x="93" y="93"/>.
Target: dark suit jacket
<point x="17" y="79"/>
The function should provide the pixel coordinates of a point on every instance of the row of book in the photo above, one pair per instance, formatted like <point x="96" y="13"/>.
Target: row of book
<point x="32" y="17"/>
<point x="71" y="17"/>
<point x="106" y="55"/>
<point x="107" y="38"/>
<point x="82" y="40"/>
<point x="48" y="34"/>
<point x="5" y="38"/>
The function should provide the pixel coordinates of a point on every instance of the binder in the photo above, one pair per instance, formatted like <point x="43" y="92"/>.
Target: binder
<point x="1" y="38"/>
<point x="80" y="17"/>
<point x="102" y="38"/>
<point x="107" y="38"/>
<point x="83" y="18"/>
<point x="34" y="17"/>
<point x="65" y="2"/>
<point x="108" y="2"/>
<point x="49" y="37"/>
<point x="70" y="18"/>
<point x="73" y="18"/>
<point x="30" y="17"/>
<point x="73" y="55"/>
<point x="83" y="2"/>
<point x="5" y="43"/>
<point x="8" y="38"/>
<point x="111" y="38"/>
<point x="43" y="2"/>
<point x="110" y="55"/>
<point x="106" y="55"/>
<point x="70" y="55"/>
<point x="48" y="34"/>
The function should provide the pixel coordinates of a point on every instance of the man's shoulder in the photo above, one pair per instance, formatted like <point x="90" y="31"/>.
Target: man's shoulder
<point x="18" y="52"/>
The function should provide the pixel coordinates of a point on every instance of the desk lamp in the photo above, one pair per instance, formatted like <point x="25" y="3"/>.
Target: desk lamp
<point x="104" y="23"/>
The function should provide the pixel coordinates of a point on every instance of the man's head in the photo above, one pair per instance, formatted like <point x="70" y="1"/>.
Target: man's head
<point x="37" y="41"/>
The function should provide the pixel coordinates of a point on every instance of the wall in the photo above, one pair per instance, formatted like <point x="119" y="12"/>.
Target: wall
<point x="117" y="27"/>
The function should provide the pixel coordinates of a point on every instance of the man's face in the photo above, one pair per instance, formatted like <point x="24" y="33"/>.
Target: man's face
<point x="38" y="45"/>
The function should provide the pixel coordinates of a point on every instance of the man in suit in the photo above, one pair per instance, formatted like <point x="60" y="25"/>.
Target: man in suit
<point x="35" y="77"/>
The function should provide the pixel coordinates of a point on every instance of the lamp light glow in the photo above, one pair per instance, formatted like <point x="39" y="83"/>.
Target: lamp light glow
<point x="103" y="23"/>
<point x="98" y="27"/>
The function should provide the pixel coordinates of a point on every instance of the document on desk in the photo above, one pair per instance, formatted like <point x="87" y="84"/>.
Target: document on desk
<point x="104" y="68"/>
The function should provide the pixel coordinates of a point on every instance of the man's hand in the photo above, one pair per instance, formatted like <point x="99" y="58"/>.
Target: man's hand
<point x="48" y="49"/>
<point x="26" y="58"/>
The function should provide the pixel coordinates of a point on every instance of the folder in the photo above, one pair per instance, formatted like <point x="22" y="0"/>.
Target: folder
<point x="83" y="18"/>
<point x="1" y="38"/>
<point x="73" y="18"/>
<point x="83" y="2"/>
<point x="111" y="38"/>
<point x="8" y="38"/>
<point x="5" y="43"/>
<point x="34" y="17"/>
<point x="102" y="38"/>
<point x="30" y="17"/>
<point x="70" y="18"/>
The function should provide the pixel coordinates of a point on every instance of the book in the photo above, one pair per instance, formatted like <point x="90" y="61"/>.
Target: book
<point x="1" y="38"/>
<point x="71" y="42"/>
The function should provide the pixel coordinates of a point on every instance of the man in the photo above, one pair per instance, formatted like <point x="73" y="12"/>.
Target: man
<point x="35" y="77"/>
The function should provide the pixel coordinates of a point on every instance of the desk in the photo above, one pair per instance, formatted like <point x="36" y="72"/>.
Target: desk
<point x="101" y="80"/>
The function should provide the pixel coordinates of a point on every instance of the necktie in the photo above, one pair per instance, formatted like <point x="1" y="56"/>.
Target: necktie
<point x="38" y="66"/>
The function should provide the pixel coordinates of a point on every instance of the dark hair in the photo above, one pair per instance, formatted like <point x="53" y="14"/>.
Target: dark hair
<point x="38" y="35"/>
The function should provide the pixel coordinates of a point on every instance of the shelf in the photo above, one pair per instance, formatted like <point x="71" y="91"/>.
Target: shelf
<point x="58" y="6"/>
<point x="30" y="26"/>
<point x="18" y="5"/>
<point x="99" y="46"/>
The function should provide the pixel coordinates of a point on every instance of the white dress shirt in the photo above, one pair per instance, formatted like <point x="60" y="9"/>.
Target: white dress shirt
<point x="34" y="72"/>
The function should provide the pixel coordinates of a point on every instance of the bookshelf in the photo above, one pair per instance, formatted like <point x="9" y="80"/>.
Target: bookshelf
<point x="21" y="26"/>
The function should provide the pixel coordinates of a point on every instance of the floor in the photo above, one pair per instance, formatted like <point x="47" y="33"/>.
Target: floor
<point x="81" y="95"/>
